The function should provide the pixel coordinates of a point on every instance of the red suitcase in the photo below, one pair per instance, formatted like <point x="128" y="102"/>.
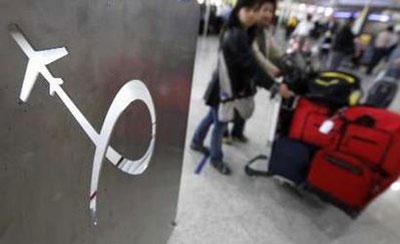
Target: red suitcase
<point x="307" y="120"/>
<point x="372" y="135"/>
<point x="343" y="180"/>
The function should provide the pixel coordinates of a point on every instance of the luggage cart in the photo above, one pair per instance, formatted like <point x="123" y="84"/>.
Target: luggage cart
<point x="259" y="165"/>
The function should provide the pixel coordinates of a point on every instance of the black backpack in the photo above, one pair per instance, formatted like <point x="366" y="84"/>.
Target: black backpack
<point x="335" y="89"/>
<point x="382" y="93"/>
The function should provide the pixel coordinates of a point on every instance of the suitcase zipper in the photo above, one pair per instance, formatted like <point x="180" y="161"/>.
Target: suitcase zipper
<point x="344" y="165"/>
<point x="364" y="140"/>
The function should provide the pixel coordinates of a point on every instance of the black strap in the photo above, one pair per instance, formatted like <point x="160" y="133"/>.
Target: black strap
<point x="365" y="120"/>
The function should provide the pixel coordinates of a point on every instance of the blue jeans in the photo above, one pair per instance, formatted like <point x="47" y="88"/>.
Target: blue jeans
<point x="216" y="137"/>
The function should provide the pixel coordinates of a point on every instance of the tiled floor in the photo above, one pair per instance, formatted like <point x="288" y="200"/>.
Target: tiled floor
<point x="239" y="209"/>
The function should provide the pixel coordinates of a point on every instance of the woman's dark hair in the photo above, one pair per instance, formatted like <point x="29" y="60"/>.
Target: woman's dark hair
<point x="234" y="17"/>
<point x="273" y="2"/>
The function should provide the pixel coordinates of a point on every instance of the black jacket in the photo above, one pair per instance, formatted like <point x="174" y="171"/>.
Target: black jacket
<point x="243" y="69"/>
<point x="344" y="41"/>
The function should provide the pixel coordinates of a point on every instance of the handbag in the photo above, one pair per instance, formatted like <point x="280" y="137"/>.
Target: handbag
<point x="228" y="102"/>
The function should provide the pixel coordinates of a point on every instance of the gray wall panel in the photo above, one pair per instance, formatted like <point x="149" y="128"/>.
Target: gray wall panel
<point x="46" y="158"/>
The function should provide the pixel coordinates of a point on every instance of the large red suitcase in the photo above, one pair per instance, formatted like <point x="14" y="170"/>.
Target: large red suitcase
<point x="342" y="179"/>
<point x="373" y="135"/>
<point x="306" y="122"/>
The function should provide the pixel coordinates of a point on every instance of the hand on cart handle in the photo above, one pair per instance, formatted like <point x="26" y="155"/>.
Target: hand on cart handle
<point x="274" y="91"/>
<point x="284" y="91"/>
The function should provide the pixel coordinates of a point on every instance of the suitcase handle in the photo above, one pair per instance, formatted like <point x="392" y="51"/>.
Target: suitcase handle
<point x="344" y="165"/>
<point x="366" y="121"/>
<point x="363" y="120"/>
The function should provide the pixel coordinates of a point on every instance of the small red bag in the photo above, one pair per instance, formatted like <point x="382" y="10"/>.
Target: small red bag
<point x="307" y="120"/>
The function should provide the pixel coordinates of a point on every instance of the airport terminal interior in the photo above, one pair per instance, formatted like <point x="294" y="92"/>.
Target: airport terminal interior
<point x="243" y="209"/>
<point x="200" y="121"/>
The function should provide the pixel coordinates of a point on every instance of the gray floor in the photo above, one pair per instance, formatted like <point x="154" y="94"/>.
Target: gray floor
<point x="239" y="209"/>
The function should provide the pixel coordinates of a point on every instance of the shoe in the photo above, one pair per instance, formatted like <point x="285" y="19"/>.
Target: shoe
<point x="227" y="140"/>
<point x="221" y="167"/>
<point x="240" y="138"/>
<point x="199" y="148"/>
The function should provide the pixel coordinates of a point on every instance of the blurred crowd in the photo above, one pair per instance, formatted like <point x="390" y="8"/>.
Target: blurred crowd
<point x="337" y="44"/>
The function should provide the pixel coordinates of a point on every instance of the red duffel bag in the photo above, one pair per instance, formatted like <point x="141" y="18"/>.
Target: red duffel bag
<point x="307" y="120"/>
<point x="373" y="135"/>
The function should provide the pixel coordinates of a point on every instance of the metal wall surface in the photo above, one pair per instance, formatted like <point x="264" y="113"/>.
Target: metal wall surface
<point x="46" y="158"/>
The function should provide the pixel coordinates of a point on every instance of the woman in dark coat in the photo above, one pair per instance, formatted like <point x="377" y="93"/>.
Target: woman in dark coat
<point x="242" y="72"/>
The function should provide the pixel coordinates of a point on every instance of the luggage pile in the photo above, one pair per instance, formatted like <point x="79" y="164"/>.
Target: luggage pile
<point x="348" y="156"/>
<point x="356" y="160"/>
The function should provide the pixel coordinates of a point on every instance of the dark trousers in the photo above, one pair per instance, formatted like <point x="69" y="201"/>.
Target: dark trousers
<point x="335" y="60"/>
<point x="238" y="127"/>
<point x="379" y="53"/>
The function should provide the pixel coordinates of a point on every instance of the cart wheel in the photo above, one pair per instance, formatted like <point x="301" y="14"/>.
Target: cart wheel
<point x="280" y="182"/>
<point x="253" y="173"/>
<point x="248" y="171"/>
<point x="354" y="214"/>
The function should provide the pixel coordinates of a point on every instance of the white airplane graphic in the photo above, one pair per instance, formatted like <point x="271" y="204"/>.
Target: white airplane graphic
<point x="37" y="64"/>
<point x="132" y="91"/>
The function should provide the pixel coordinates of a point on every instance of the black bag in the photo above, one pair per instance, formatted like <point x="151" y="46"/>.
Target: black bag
<point x="382" y="94"/>
<point x="296" y="72"/>
<point x="290" y="159"/>
<point x="334" y="89"/>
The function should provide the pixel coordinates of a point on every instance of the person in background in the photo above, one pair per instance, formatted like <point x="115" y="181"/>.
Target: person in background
<point x="318" y="29"/>
<point x="343" y="45"/>
<point x="394" y="64"/>
<point x="332" y="25"/>
<point x="223" y="12"/>
<point x="290" y="26"/>
<point x="362" y="43"/>
<point x="303" y="31"/>
<point x="265" y="48"/>
<point x="326" y="45"/>
<point x="242" y="71"/>
<point x="383" y="44"/>
<point x="235" y="44"/>
<point x="396" y="40"/>
<point x="267" y="55"/>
